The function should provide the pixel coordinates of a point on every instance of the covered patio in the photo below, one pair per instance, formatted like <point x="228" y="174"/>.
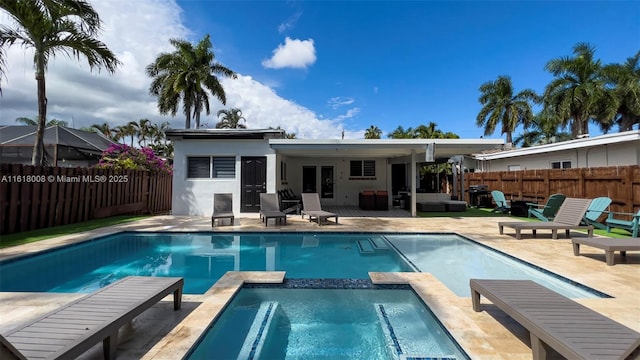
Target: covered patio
<point x="339" y="170"/>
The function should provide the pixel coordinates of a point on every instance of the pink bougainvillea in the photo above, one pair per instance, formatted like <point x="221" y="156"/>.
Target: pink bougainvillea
<point x="125" y="157"/>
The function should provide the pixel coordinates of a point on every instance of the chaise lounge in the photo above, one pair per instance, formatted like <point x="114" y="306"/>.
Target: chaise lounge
<point x="71" y="330"/>
<point x="270" y="209"/>
<point x="557" y="322"/>
<point x="568" y="218"/>
<point x="312" y="208"/>
<point x="609" y="245"/>
<point x="222" y="208"/>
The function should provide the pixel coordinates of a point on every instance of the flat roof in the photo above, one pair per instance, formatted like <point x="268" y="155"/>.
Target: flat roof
<point x="620" y="137"/>
<point x="240" y="134"/>
<point x="381" y="148"/>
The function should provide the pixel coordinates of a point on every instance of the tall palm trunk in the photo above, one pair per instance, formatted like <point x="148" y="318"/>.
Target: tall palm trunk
<point x="196" y="113"/>
<point x="38" y="148"/>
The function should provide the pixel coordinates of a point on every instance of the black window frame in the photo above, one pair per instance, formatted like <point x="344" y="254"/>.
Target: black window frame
<point x="362" y="168"/>
<point x="217" y="167"/>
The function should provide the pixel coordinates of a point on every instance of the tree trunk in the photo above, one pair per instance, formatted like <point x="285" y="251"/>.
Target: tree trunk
<point x="37" y="158"/>
<point x="187" y="124"/>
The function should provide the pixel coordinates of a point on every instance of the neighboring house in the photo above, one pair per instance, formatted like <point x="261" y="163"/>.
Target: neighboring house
<point x="618" y="149"/>
<point x="65" y="147"/>
<point x="247" y="162"/>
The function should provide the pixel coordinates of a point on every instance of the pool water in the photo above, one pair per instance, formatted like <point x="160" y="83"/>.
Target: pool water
<point x="276" y="323"/>
<point x="455" y="260"/>
<point x="201" y="258"/>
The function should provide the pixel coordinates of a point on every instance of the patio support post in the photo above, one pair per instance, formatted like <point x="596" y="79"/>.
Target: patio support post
<point x="413" y="183"/>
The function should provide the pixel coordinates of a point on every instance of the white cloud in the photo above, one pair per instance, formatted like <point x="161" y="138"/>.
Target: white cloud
<point x="293" y="53"/>
<point x="289" y="23"/>
<point x="263" y="108"/>
<point x="84" y="98"/>
<point x="338" y="101"/>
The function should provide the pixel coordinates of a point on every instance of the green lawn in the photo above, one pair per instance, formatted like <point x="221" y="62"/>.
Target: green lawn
<point x="42" y="234"/>
<point x="474" y="212"/>
<point x="471" y="212"/>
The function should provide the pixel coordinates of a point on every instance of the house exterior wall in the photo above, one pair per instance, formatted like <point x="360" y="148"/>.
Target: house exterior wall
<point x="616" y="154"/>
<point x="195" y="196"/>
<point x="345" y="190"/>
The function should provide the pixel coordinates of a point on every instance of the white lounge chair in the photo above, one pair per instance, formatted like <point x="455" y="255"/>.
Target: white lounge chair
<point x="312" y="208"/>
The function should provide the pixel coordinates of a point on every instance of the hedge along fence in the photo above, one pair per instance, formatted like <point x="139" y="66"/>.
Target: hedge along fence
<point x="620" y="183"/>
<point x="34" y="197"/>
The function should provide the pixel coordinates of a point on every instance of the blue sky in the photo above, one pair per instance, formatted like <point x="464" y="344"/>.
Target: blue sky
<point x="408" y="63"/>
<point x="351" y="64"/>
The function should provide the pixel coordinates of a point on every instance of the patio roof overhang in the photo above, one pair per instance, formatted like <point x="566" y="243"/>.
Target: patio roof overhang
<point x="383" y="148"/>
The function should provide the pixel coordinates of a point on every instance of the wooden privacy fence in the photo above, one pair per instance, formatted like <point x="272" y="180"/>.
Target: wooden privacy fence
<point x="620" y="183"/>
<point x="34" y="197"/>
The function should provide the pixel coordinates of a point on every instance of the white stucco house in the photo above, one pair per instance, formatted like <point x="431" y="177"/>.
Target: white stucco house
<point x="617" y="149"/>
<point x="247" y="162"/>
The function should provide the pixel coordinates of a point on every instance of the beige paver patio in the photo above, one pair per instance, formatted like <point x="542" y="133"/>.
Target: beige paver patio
<point x="485" y="335"/>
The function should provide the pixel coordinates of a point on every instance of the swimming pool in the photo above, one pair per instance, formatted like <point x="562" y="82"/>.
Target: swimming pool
<point x="202" y="258"/>
<point x="276" y="323"/>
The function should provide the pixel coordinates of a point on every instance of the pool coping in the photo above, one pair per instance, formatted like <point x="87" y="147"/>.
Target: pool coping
<point x="452" y="311"/>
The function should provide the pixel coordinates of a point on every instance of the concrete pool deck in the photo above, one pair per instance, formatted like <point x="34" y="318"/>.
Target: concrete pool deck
<point x="161" y="333"/>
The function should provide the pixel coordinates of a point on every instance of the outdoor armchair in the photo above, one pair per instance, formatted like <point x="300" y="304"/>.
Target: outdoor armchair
<point x="547" y="211"/>
<point x="595" y="210"/>
<point x="632" y="225"/>
<point x="502" y="204"/>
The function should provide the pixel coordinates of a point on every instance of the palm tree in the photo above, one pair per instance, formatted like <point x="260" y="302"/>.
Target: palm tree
<point x="373" y="132"/>
<point x="50" y="27"/>
<point x="144" y="131"/>
<point x="625" y="80"/>
<point x="230" y="119"/>
<point x="159" y="142"/>
<point x="3" y="64"/>
<point x="501" y="106"/>
<point x="184" y="76"/>
<point x="104" y="129"/>
<point x="543" y="129"/>
<point x="131" y="129"/>
<point x="578" y="93"/>
<point x="34" y="122"/>
<point x="401" y="133"/>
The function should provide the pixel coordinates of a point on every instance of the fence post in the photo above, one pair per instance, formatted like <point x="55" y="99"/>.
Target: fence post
<point x="628" y="184"/>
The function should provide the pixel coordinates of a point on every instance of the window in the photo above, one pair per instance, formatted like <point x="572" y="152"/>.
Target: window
<point x="283" y="171"/>
<point x="224" y="167"/>
<point x="359" y="168"/>
<point x="207" y="167"/>
<point x="198" y="167"/>
<point x="513" y="167"/>
<point x="561" y="164"/>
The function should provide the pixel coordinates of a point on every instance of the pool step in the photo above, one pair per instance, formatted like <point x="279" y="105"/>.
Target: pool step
<point x="365" y="246"/>
<point x="258" y="331"/>
<point x="379" y="243"/>
<point x="400" y="330"/>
